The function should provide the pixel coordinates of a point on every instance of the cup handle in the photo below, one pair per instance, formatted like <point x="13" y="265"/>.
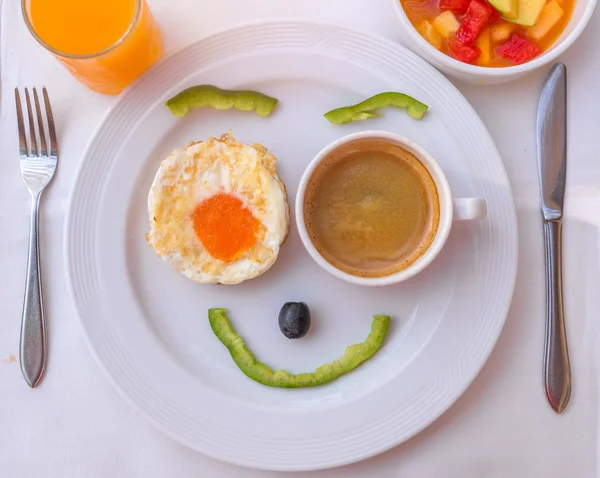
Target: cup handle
<point x="466" y="209"/>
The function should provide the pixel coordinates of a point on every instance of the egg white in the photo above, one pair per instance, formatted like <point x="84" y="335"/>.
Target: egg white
<point x="194" y="173"/>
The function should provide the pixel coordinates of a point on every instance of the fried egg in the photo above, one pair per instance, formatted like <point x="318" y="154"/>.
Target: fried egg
<point x="218" y="211"/>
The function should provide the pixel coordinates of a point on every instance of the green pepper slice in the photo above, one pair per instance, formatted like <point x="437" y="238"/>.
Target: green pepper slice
<point x="207" y="95"/>
<point x="353" y="356"/>
<point x="365" y="109"/>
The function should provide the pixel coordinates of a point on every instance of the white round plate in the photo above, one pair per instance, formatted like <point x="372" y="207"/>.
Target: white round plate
<point x="148" y="326"/>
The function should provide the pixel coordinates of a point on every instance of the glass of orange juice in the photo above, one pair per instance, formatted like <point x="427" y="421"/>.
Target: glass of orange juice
<point x="105" y="44"/>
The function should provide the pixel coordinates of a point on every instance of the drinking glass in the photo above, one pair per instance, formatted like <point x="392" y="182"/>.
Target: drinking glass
<point x="111" y="69"/>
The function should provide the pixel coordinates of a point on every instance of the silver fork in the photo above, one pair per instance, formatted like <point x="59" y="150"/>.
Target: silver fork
<point x="38" y="163"/>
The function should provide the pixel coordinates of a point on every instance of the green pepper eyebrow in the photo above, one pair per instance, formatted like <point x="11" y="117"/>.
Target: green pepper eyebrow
<point x="208" y="95"/>
<point x="365" y="109"/>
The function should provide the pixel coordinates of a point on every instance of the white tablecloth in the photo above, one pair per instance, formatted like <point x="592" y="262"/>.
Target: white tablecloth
<point x="75" y="425"/>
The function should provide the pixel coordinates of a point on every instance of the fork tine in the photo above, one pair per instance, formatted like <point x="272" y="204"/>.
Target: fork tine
<point x="43" y="146"/>
<point x="20" y="125"/>
<point x="51" y="130"/>
<point x="32" y="135"/>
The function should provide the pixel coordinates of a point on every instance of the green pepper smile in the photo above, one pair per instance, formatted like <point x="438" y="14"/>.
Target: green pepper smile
<point x="353" y="356"/>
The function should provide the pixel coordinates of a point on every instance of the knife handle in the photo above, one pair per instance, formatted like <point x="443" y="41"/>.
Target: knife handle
<point x="557" y="370"/>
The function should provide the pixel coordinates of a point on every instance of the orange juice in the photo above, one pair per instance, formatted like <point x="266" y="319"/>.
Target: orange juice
<point x="105" y="44"/>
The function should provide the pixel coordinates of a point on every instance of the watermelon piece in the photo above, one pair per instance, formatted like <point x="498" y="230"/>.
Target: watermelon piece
<point x="462" y="52"/>
<point x="494" y="16"/>
<point x="518" y="50"/>
<point x="458" y="6"/>
<point x="476" y="18"/>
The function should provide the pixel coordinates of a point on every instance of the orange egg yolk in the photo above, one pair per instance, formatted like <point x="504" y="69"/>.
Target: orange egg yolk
<point x="225" y="227"/>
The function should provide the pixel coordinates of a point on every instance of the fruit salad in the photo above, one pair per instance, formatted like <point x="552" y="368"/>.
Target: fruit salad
<point x="494" y="33"/>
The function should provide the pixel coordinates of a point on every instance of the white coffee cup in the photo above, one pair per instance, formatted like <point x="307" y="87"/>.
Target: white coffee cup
<point x="451" y="209"/>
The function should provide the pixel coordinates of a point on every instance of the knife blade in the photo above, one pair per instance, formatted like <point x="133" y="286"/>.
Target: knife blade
<point x="552" y="166"/>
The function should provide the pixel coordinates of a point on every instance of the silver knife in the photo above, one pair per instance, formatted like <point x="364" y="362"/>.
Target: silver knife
<point x="552" y="164"/>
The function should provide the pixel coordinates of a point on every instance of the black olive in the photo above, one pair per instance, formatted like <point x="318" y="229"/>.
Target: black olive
<point x="294" y="319"/>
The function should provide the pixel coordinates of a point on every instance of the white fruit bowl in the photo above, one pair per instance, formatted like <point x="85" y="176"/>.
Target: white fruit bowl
<point x="489" y="76"/>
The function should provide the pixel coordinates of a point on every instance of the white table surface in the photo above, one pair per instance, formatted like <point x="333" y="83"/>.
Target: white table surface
<point x="75" y="425"/>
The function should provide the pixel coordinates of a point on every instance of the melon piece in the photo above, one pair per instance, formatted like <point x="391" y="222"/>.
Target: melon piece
<point x="529" y="12"/>
<point x="483" y="43"/>
<point x="446" y="24"/>
<point x="507" y="8"/>
<point x="501" y="32"/>
<point x="427" y="30"/>
<point x="550" y="16"/>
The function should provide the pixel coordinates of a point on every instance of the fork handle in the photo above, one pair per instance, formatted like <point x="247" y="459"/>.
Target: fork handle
<point x="33" y="331"/>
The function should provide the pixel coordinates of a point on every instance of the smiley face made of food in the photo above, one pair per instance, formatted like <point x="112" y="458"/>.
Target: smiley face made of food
<point x="218" y="211"/>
